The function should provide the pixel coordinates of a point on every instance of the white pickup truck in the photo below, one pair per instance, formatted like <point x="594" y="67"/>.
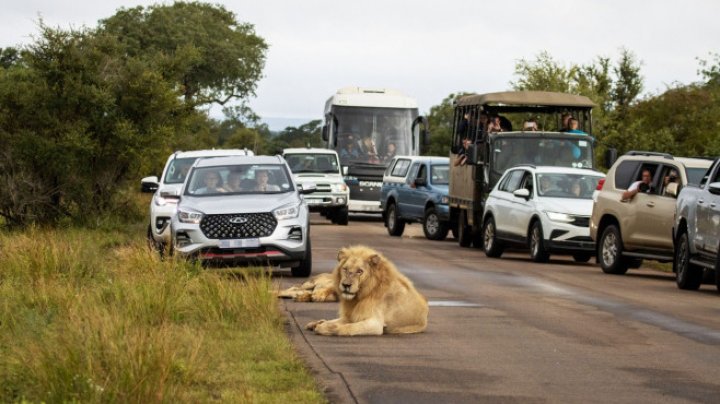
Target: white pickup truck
<point x="697" y="231"/>
<point x="322" y="167"/>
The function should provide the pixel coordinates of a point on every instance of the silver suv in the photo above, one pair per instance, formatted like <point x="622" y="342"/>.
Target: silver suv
<point x="244" y="210"/>
<point x="167" y="189"/>
<point x="626" y="231"/>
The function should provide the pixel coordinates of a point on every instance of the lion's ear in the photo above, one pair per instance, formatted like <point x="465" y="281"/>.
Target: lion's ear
<point x="342" y="254"/>
<point x="374" y="260"/>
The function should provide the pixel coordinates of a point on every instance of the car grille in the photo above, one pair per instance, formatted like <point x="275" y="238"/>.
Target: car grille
<point x="581" y="221"/>
<point x="323" y="188"/>
<point x="249" y="225"/>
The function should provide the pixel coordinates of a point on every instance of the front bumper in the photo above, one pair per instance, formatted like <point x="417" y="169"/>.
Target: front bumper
<point x="286" y="246"/>
<point x="316" y="201"/>
<point x="364" y="206"/>
<point x="566" y="237"/>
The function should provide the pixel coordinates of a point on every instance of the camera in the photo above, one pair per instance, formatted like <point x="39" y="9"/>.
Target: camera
<point x="643" y="187"/>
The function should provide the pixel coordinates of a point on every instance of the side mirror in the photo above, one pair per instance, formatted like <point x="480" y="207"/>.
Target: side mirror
<point x="149" y="184"/>
<point x="307" y="188"/>
<point x="610" y="157"/>
<point x="522" y="193"/>
<point x="420" y="182"/>
<point x="714" y="188"/>
<point x="325" y="133"/>
<point x="425" y="136"/>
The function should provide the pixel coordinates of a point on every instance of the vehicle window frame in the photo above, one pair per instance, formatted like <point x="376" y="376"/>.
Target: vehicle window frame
<point x="404" y="167"/>
<point x="624" y="181"/>
<point x="512" y="176"/>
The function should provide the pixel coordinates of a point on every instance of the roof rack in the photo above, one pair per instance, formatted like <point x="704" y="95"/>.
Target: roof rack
<point x="648" y="153"/>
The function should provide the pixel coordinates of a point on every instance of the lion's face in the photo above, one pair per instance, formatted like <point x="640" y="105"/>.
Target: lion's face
<point x="354" y="272"/>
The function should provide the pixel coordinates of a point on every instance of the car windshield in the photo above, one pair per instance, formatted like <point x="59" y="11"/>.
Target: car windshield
<point x="439" y="174"/>
<point x="239" y="179"/>
<point x="313" y="163"/>
<point x="178" y="169"/>
<point x="561" y="185"/>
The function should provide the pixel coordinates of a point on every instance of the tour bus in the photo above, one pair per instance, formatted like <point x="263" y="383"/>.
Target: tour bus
<point x="531" y="132"/>
<point x="367" y="127"/>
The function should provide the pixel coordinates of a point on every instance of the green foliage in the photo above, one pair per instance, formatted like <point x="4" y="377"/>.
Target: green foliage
<point x="440" y="122"/>
<point x="200" y="47"/>
<point x="95" y="316"/>
<point x="308" y="134"/>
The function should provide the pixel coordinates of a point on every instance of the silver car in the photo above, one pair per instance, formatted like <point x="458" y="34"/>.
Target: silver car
<point x="244" y="210"/>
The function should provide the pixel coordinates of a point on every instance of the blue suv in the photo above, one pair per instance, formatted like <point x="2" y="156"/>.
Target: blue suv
<point x="415" y="190"/>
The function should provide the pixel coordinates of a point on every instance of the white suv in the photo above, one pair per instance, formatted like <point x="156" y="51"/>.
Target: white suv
<point x="167" y="190"/>
<point x="546" y="209"/>
<point x="243" y="210"/>
<point x="322" y="167"/>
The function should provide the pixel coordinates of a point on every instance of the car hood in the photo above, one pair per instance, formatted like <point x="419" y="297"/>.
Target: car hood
<point x="579" y="207"/>
<point x="315" y="177"/>
<point x="442" y="189"/>
<point x="251" y="203"/>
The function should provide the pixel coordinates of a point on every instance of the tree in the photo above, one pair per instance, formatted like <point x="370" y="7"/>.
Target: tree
<point x="440" y="122"/>
<point x="201" y="47"/>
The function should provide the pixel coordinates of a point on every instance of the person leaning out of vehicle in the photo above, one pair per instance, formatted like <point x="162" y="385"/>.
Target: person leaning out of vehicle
<point x="644" y="186"/>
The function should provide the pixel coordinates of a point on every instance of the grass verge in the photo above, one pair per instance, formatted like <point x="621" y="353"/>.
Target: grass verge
<point x="95" y="316"/>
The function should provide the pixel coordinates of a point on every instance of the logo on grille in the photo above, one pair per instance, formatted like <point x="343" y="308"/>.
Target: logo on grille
<point x="239" y="220"/>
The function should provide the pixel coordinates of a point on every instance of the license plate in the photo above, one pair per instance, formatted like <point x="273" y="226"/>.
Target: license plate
<point x="240" y="243"/>
<point x="313" y="201"/>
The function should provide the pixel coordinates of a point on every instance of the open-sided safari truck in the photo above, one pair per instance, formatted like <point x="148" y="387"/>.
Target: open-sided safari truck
<point x="479" y="157"/>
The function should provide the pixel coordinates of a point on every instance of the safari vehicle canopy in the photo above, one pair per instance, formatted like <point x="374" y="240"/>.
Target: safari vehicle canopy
<point x="532" y="133"/>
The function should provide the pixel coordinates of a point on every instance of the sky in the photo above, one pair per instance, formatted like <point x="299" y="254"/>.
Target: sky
<point x="426" y="49"/>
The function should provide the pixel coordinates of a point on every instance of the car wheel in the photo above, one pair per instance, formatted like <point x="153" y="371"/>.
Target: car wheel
<point x="582" y="257"/>
<point x="688" y="276"/>
<point x="433" y="227"/>
<point x="394" y="224"/>
<point x="305" y="268"/>
<point x="609" y="253"/>
<point x="464" y="236"/>
<point x="538" y="253"/>
<point x="493" y="246"/>
<point x="341" y="216"/>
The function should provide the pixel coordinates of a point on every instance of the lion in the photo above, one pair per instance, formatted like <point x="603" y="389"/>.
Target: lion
<point x="319" y="288"/>
<point x="375" y="298"/>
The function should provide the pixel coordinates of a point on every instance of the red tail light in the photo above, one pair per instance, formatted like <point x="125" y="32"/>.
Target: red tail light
<point x="600" y="184"/>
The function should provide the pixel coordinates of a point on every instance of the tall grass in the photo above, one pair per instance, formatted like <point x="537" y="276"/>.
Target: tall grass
<point x="95" y="316"/>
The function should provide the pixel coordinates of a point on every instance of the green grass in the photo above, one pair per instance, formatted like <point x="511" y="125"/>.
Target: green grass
<point x="95" y="316"/>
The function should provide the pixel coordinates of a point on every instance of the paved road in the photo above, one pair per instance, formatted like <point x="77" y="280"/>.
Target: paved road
<point x="508" y="330"/>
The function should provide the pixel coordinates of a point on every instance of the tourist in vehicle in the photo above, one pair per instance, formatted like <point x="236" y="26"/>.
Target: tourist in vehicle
<point x="671" y="178"/>
<point x="461" y="158"/>
<point x="494" y="125"/>
<point x="573" y="127"/>
<point x="234" y="182"/>
<point x="644" y="186"/>
<point x="349" y="151"/>
<point x="369" y="151"/>
<point x="212" y="183"/>
<point x="389" y="152"/>
<point x="530" y="125"/>
<point x="576" y="188"/>
<point x="261" y="178"/>
<point x="565" y="122"/>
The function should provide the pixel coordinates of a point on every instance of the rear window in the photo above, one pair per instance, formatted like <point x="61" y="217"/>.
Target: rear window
<point x="625" y="174"/>
<point x="401" y="168"/>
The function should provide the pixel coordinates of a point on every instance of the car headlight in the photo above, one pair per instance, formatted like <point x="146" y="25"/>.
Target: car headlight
<point x="186" y="215"/>
<point x="444" y="200"/>
<point x="339" y="187"/>
<point x="560" y="217"/>
<point x="287" y="212"/>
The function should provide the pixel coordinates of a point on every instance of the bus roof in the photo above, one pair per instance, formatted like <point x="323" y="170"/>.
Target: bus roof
<point x="528" y="98"/>
<point x="370" y="97"/>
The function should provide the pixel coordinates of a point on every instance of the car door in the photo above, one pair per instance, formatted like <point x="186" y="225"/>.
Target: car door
<point x="521" y="209"/>
<point x="654" y="215"/>
<point x="417" y="193"/>
<point x="407" y="192"/>
<point x="504" y="201"/>
<point x="708" y="217"/>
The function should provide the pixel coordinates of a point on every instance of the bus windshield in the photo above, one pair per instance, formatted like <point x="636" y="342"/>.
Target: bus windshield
<point x="568" y="151"/>
<point x="373" y="135"/>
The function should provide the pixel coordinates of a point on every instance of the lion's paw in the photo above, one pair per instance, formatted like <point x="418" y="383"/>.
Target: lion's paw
<point x="326" y="328"/>
<point x="313" y="324"/>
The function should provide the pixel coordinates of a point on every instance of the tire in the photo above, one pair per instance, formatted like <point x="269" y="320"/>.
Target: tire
<point x="395" y="225"/>
<point x="305" y="268"/>
<point x="433" y="227"/>
<point x="493" y="246"/>
<point x="582" y="257"/>
<point x="341" y="216"/>
<point x="687" y="276"/>
<point x="634" y="263"/>
<point x="157" y="246"/>
<point x="464" y="236"/>
<point x="609" y="254"/>
<point x="536" y="242"/>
